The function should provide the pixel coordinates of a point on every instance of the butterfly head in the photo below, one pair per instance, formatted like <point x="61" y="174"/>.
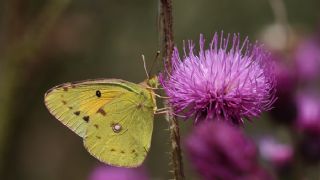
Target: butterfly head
<point x="153" y="82"/>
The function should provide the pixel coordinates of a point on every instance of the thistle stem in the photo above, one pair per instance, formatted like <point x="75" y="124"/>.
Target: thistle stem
<point x="167" y="30"/>
<point x="176" y="157"/>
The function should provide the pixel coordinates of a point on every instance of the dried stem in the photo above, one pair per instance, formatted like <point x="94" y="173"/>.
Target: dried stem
<point x="167" y="25"/>
<point x="176" y="157"/>
<point x="167" y="30"/>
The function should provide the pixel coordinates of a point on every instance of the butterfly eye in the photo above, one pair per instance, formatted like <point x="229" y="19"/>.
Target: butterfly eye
<point x="98" y="93"/>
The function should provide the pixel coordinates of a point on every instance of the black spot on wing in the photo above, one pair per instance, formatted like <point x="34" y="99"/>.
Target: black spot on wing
<point x="86" y="118"/>
<point x="102" y="112"/>
<point x="77" y="113"/>
<point x="98" y="93"/>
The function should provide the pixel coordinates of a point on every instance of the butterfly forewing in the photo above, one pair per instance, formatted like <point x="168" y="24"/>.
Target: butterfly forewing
<point x="122" y="135"/>
<point x="74" y="103"/>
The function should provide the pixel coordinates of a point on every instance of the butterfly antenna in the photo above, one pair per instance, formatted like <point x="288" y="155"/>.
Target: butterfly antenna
<point x="154" y="61"/>
<point x="145" y="66"/>
<point x="159" y="25"/>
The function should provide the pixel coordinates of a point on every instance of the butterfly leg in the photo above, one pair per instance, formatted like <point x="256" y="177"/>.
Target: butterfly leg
<point x="166" y="110"/>
<point x="152" y="88"/>
<point x="162" y="110"/>
<point x="159" y="96"/>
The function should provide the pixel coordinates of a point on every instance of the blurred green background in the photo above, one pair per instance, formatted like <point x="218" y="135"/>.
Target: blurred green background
<point x="44" y="43"/>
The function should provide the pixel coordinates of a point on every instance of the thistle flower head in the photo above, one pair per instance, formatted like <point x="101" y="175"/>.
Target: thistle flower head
<point x="279" y="154"/>
<point x="287" y="81"/>
<point x="221" y="82"/>
<point x="308" y="118"/>
<point x="307" y="57"/>
<point x="220" y="151"/>
<point x="109" y="172"/>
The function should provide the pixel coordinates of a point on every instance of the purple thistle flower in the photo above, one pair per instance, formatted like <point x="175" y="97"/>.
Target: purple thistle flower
<point x="287" y="82"/>
<point x="308" y="119"/>
<point x="220" y="82"/>
<point x="307" y="58"/>
<point x="220" y="151"/>
<point x="279" y="154"/>
<point x="105" y="172"/>
<point x="285" y="74"/>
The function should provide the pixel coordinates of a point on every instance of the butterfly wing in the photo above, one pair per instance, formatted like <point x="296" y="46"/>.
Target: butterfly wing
<point x="74" y="103"/>
<point x="122" y="136"/>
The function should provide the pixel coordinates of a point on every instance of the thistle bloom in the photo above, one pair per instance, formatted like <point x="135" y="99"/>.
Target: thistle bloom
<point x="307" y="58"/>
<point x="279" y="154"/>
<point x="308" y="120"/>
<point x="285" y="73"/>
<point x="105" y="172"/>
<point x="220" y="151"/>
<point x="220" y="82"/>
<point x="286" y="77"/>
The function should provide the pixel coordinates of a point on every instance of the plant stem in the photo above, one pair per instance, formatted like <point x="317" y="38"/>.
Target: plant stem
<point x="167" y="24"/>
<point x="166" y="20"/>
<point x="176" y="157"/>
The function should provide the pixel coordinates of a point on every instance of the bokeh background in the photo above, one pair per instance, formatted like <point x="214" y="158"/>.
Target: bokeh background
<point x="47" y="42"/>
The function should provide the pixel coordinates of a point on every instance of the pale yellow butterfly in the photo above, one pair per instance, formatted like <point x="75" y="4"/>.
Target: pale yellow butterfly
<point x="114" y="117"/>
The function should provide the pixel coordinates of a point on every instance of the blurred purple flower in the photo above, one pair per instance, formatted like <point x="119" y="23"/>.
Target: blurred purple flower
<point x="218" y="150"/>
<point x="308" y="118"/>
<point x="105" y="172"/>
<point x="308" y="59"/>
<point x="286" y="77"/>
<point x="220" y="82"/>
<point x="280" y="155"/>
<point x="285" y="74"/>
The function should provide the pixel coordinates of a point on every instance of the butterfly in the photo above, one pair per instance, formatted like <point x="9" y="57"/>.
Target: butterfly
<point x="114" y="117"/>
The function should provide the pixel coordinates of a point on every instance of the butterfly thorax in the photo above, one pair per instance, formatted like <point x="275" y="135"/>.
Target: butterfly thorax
<point x="151" y="84"/>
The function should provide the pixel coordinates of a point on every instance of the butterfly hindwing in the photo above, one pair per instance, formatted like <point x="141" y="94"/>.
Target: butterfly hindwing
<point x="74" y="103"/>
<point x="121" y="136"/>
